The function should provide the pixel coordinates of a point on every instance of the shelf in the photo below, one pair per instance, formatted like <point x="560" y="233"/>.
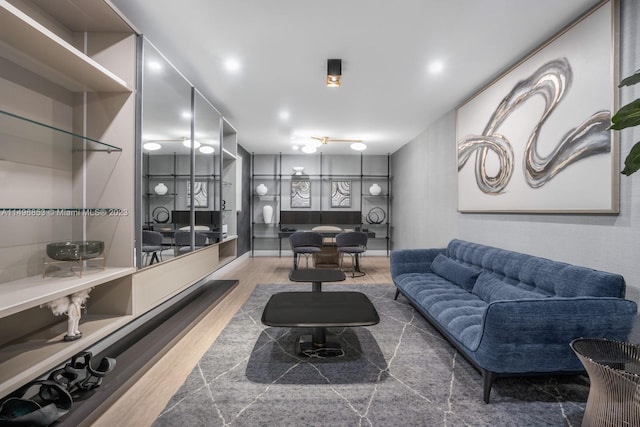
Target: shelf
<point x="184" y="176"/>
<point x="227" y="155"/>
<point x="22" y="128"/>
<point x="22" y="360"/>
<point x="38" y="49"/>
<point x="321" y="173"/>
<point x="29" y="292"/>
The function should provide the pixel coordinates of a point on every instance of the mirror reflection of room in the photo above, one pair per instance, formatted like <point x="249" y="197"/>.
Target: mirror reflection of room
<point x="181" y="184"/>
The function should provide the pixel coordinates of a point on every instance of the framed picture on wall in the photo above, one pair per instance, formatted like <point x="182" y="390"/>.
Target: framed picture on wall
<point x="300" y="193"/>
<point x="200" y="194"/>
<point x="341" y="194"/>
<point x="537" y="139"/>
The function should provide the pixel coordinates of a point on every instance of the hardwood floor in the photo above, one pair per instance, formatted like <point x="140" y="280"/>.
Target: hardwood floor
<point x="143" y="402"/>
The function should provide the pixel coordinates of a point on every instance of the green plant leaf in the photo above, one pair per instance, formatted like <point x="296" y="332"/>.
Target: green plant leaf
<point x="632" y="162"/>
<point x="627" y="116"/>
<point x="631" y="80"/>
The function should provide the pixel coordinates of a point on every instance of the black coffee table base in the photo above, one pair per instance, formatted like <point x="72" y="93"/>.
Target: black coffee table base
<point x="308" y="345"/>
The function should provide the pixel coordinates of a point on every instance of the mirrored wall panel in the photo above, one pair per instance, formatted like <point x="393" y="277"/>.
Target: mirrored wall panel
<point x="182" y="158"/>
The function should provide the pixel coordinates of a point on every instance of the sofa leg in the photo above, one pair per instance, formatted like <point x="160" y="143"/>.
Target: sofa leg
<point x="397" y="293"/>
<point x="489" y="378"/>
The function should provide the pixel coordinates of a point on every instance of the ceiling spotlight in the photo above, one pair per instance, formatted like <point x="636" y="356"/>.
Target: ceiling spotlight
<point x="232" y="65"/>
<point x="295" y="147"/>
<point x="151" y="146"/>
<point x="309" y="149"/>
<point x="334" y="72"/>
<point x="436" y="67"/>
<point x="187" y="143"/>
<point x="154" y="65"/>
<point x="206" y="149"/>
<point x="358" y="146"/>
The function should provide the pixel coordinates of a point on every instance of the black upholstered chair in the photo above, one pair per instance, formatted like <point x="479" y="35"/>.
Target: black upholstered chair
<point x="352" y="243"/>
<point x="151" y="246"/>
<point x="305" y="243"/>
<point x="182" y="240"/>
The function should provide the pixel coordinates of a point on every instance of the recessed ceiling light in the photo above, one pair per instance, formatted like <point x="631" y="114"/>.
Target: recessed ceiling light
<point x="186" y="114"/>
<point x="358" y="146"/>
<point x="309" y="149"/>
<point x="151" y="146"/>
<point x="154" y="65"/>
<point x="295" y="147"/>
<point x="436" y="67"/>
<point x="207" y="149"/>
<point x="232" y="65"/>
<point x="284" y="115"/>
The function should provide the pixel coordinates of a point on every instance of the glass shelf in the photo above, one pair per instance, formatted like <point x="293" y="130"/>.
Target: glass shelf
<point x="22" y="128"/>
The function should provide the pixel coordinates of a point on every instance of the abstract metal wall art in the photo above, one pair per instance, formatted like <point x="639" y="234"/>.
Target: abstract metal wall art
<point x="550" y="81"/>
<point x="538" y="139"/>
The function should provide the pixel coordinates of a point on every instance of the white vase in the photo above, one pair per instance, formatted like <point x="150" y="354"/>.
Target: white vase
<point x="161" y="189"/>
<point x="375" y="190"/>
<point x="261" y="190"/>
<point x="267" y="214"/>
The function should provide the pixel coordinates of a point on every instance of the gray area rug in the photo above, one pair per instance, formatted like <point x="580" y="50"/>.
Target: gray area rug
<point x="399" y="372"/>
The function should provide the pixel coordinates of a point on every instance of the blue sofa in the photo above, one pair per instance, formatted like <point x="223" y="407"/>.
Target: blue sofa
<point x="509" y="313"/>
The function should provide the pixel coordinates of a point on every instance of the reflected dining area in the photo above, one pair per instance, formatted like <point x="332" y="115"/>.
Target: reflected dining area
<point x="167" y="240"/>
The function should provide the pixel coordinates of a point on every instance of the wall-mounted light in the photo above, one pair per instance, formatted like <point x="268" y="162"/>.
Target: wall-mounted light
<point x="334" y="72"/>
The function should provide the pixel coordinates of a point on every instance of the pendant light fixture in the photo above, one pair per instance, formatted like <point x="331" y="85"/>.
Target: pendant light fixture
<point x="334" y="72"/>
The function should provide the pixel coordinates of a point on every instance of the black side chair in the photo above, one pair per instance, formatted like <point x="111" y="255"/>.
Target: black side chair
<point x="182" y="241"/>
<point x="305" y="243"/>
<point x="352" y="243"/>
<point x="151" y="245"/>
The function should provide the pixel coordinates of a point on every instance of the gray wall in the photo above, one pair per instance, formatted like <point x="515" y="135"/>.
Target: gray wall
<point x="425" y="200"/>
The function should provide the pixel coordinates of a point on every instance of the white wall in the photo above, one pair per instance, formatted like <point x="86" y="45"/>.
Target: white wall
<point x="425" y="200"/>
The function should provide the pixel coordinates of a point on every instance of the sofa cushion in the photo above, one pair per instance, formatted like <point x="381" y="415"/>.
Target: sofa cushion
<point x="490" y="289"/>
<point x="460" y="274"/>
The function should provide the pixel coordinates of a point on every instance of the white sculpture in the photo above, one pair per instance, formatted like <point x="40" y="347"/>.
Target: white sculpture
<point x="375" y="189"/>
<point x="72" y="306"/>
<point x="161" y="189"/>
<point x="261" y="190"/>
<point x="267" y="213"/>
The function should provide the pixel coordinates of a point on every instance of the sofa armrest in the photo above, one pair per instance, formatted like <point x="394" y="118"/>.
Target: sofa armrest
<point x="556" y="320"/>
<point x="412" y="260"/>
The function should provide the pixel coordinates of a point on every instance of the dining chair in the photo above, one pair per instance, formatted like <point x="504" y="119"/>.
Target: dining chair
<point x="151" y="246"/>
<point x="183" y="241"/>
<point x="305" y="243"/>
<point x="354" y="244"/>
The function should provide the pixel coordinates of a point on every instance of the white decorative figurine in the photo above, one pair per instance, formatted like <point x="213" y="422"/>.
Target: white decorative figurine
<point x="72" y="306"/>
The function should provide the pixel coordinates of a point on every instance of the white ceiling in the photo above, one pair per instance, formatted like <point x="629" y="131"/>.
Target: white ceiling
<point x="387" y="97"/>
